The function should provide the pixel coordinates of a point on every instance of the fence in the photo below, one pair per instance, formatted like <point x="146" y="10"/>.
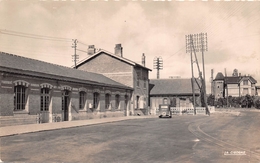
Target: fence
<point x="189" y="110"/>
<point x="201" y="110"/>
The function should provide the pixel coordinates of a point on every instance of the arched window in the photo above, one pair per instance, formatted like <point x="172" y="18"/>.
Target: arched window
<point x="19" y="97"/>
<point x="95" y="100"/>
<point x="117" y="101"/>
<point x="165" y="101"/>
<point x="45" y="99"/>
<point x="107" y="100"/>
<point x="82" y="99"/>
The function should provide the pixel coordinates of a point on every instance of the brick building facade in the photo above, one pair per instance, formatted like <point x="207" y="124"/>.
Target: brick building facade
<point x="32" y="89"/>
<point x="124" y="71"/>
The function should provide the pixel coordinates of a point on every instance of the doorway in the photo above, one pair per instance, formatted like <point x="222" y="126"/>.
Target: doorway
<point x="65" y="105"/>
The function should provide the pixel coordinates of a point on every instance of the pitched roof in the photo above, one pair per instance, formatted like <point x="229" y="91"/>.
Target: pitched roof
<point x="219" y="76"/>
<point x="112" y="55"/>
<point x="40" y="68"/>
<point x="232" y="79"/>
<point x="172" y="87"/>
<point x="238" y="79"/>
<point x="248" y="78"/>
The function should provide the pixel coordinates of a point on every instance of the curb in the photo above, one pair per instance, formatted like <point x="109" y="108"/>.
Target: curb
<point x="32" y="128"/>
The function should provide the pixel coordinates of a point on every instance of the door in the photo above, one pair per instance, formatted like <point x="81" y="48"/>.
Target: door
<point x="126" y="105"/>
<point x="65" y="105"/>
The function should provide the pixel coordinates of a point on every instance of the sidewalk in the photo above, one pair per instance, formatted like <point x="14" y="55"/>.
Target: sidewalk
<point x="22" y="129"/>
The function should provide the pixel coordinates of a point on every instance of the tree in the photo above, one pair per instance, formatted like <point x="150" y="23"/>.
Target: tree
<point x="257" y="104"/>
<point x="211" y="100"/>
<point x="246" y="101"/>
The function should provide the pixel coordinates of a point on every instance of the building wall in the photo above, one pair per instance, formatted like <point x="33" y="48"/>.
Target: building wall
<point x="218" y="89"/>
<point x="247" y="88"/>
<point x="123" y="73"/>
<point x="141" y="83"/>
<point x="33" y="99"/>
<point x="110" y="67"/>
<point x="233" y="90"/>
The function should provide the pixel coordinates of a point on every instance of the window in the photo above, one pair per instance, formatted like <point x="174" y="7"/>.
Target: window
<point x="117" y="101"/>
<point x="19" y="97"/>
<point x="165" y="101"/>
<point x="82" y="99"/>
<point x="126" y="101"/>
<point x="137" y="82"/>
<point x="137" y="102"/>
<point x="65" y="100"/>
<point x="95" y="100"/>
<point x="245" y="82"/>
<point x="107" y="100"/>
<point x="245" y="91"/>
<point x="45" y="99"/>
<point x="144" y="82"/>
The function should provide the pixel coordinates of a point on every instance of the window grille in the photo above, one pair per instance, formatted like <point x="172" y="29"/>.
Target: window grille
<point x="45" y="99"/>
<point x="19" y="97"/>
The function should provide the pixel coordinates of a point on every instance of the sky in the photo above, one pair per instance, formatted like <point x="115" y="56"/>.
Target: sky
<point x="44" y="30"/>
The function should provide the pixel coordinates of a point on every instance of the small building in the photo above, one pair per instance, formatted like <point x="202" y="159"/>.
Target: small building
<point x="122" y="70"/>
<point x="175" y="92"/>
<point x="31" y="89"/>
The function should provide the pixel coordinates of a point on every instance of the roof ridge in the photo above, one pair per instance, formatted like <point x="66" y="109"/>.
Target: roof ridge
<point x="34" y="59"/>
<point x="113" y="55"/>
<point x="171" y="79"/>
<point x="51" y="63"/>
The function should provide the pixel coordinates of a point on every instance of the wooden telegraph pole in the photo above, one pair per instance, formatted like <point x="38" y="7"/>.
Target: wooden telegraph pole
<point x="75" y="57"/>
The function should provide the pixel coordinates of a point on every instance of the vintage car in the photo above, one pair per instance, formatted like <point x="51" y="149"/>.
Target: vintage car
<point x="164" y="111"/>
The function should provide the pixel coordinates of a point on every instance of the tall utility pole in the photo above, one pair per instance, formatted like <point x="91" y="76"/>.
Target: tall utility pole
<point x="198" y="43"/>
<point x="226" y="87"/>
<point x="211" y="81"/>
<point x="75" y="57"/>
<point x="158" y="64"/>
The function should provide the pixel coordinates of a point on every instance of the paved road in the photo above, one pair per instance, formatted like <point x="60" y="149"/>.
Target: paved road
<point x="180" y="139"/>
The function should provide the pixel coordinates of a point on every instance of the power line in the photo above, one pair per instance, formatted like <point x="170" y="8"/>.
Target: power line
<point x="32" y="35"/>
<point x="83" y="43"/>
<point x="82" y="50"/>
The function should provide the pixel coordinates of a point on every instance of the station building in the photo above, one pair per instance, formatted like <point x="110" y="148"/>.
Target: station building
<point x="32" y="91"/>
<point x="122" y="70"/>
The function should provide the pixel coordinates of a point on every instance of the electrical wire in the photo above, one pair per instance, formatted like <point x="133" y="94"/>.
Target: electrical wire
<point x="32" y="35"/>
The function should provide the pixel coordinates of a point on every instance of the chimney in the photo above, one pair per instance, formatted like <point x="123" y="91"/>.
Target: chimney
<point x="91" y="49"/>
<point x="119" y="50"/>
<point x="143" y="60"/>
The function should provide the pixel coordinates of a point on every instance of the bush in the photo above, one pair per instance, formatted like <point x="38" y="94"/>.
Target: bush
<point x="257" y="104"/>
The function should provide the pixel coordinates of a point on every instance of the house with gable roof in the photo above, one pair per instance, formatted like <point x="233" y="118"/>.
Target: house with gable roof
<point x="122" y="70"/>
<point x="35" y="91"/>
<point x="236" y="85"/>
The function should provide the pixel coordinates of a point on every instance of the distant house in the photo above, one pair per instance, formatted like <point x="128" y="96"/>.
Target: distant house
<point x="257" y="90"/>
<point x="175" y="92"/>
<point x="122" y="70"/>
<point x="31" y="88"/>
<point x="235" y="86"/>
